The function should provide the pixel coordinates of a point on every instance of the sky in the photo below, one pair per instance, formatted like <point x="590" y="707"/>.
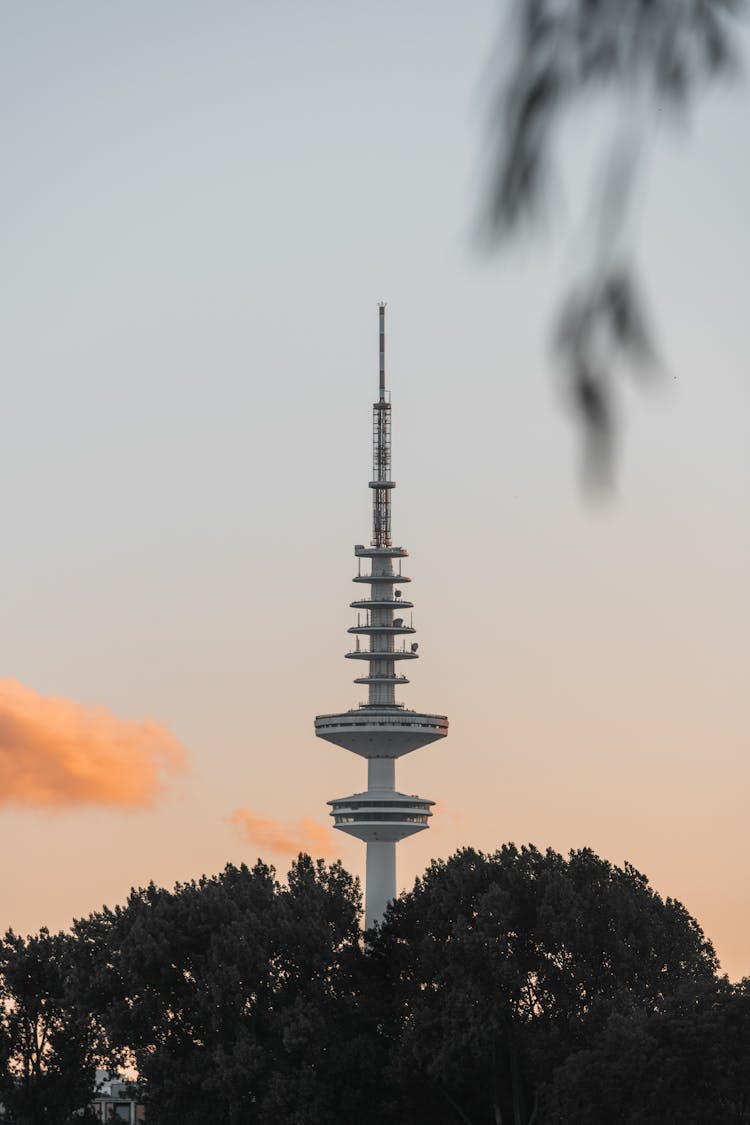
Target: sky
<point x="201" y="207"/>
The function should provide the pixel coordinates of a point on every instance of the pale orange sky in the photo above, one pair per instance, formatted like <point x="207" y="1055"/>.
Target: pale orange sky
<point x="201" y="214"/>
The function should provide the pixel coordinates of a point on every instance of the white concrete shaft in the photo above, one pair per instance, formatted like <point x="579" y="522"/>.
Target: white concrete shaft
<point x="381" y="645"/>
<point x="381" y="773"/>
<point x="380" y="879"/>
<point x="380" y="882"/>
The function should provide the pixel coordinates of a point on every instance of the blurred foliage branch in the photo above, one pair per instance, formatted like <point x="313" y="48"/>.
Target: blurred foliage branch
<point x="648" y="55"/>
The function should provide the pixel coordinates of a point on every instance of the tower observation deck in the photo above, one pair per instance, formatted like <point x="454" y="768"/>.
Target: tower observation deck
<point x="381" y="729"/>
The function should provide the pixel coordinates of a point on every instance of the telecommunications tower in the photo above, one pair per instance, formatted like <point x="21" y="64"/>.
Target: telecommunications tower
<point x="381" y="729"/>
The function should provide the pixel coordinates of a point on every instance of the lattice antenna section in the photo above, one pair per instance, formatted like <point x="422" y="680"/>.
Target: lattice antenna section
<point x="381" y="482"/>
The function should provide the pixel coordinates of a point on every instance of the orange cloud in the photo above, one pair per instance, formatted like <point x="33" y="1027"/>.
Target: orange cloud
<point x="304" y="836"/>
<point x="54" y="752"/>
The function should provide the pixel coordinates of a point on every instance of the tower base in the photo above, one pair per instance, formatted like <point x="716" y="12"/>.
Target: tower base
<point x="380" y="879"/>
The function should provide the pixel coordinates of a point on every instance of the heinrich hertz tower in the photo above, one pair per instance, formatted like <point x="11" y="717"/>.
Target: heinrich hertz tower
<point x="381" y="729"/>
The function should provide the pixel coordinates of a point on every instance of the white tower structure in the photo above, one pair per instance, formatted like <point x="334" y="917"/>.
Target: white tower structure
<point x="381" y="729"/>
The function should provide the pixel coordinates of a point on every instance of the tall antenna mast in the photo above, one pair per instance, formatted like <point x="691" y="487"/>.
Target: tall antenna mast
<point x="381" y="306"/>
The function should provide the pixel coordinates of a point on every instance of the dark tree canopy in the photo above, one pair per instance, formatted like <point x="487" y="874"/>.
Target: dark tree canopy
<point x="223" y="990"/>
<point x="521" y="987"/>
<point x="499" y="966"/>
<point x="690" y="1062"/>
<point x="48" y="1044"/>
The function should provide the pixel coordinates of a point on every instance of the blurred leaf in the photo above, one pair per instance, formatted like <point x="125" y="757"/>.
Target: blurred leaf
<point x="652" y="54"/>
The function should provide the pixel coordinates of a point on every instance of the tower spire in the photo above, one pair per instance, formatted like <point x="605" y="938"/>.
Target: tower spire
<point x="381" y="729"/>
<point x="381" y="314"/>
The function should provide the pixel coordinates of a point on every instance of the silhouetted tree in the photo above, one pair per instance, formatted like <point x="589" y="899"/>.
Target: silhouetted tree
<point x="47" y="1044"/>
<point x="688" y="1064"/>
<point x="226" y="991"/>
<point x="520" y="988"/>
<point x="499" y="967"/>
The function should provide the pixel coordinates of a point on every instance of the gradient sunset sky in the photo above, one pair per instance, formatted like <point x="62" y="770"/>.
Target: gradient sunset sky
<point x="201" y="206"/>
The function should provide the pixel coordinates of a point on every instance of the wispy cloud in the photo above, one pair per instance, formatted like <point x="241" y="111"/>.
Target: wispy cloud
<point x="54" y="753"/>
<point x="303" y="836"/>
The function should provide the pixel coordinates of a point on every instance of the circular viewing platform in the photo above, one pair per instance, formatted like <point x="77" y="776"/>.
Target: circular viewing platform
<point x="381" y="814"/>
<point x="369" y="654"/>
<point x="362" y="552"/>
<point x="381" y="731"/>
<point x="390" y="629"/>
<point x="394" y="579"/>
<point x="381" y="680"/>
<point x="382" y="603"/>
